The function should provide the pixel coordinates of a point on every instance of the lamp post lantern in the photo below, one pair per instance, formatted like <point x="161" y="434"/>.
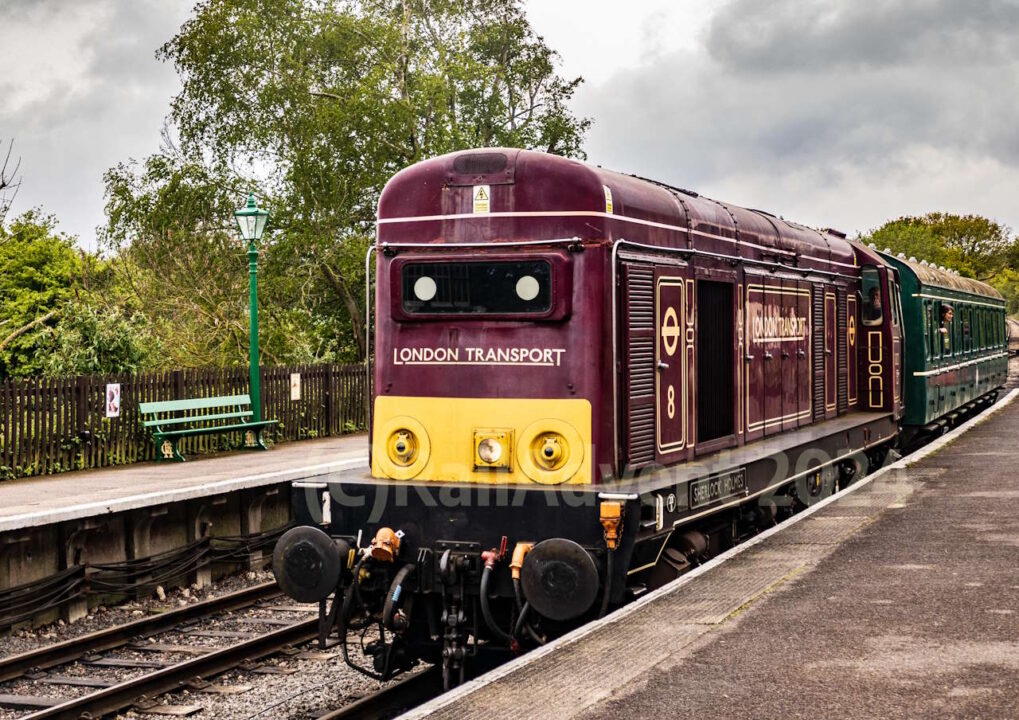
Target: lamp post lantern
<point x="251" y="220"/>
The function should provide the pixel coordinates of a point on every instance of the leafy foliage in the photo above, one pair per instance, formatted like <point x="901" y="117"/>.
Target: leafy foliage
<point x="316" y="105"/>
<point x="42" y="272"/>
<point x="90" y="339"/>
<point x="975" y="246"/>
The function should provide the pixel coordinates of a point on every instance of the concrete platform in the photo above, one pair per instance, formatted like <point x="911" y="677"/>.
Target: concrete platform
<point x="33" y="501"/>
<point x="51" y="524"/>
<point x="897" y="598"/>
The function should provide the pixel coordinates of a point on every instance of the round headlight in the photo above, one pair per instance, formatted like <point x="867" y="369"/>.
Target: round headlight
<point x="489" y="450"/>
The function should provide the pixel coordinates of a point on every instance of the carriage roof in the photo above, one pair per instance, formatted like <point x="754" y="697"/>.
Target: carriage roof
<point x="932" y="276"/>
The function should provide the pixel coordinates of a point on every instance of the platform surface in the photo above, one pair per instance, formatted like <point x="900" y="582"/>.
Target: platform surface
<point x="28" y="502"/>
<point x="898" y="599"/>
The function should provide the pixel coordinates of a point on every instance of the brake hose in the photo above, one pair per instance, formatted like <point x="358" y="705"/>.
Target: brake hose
<point x="486" y="611"/>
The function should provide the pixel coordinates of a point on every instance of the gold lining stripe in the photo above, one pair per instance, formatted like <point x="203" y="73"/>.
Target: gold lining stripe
<point x="950" y="368"/>
<point x="833" y="405"/>
<point x="739" y="363"/>
<point x="657" y="557"/>
<point x="772" y="486"/>
<point x="879" y="364"/>
<point x="602" y="215"/>
<point x="966" y="301"/>
<point x="851" y="364"/>
<point x="766" y="289"/>
<point x="680" y="282"/>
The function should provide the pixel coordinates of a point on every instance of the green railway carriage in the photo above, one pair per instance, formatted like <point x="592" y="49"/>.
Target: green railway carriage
<point x="956" y="343"/>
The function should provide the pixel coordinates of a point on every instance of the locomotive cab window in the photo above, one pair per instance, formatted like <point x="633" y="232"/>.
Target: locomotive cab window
<point x="870" y="285"/>
<point x="477" y="288"/>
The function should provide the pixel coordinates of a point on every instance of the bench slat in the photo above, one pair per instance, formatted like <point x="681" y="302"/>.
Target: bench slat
<point x="194" y="404"/>
<point x="196" y="418"/>
<point x="218" y="429"/>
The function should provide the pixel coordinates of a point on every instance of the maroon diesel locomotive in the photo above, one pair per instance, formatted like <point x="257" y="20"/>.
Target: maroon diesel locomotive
<point x="584" y="383"/>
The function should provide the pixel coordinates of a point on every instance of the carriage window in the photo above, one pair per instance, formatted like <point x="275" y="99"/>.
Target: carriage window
<point x="478" y="287"/>
<point x="870" y="286"/>
<point x="928" y="338"/>
<point x="946" y="325"/>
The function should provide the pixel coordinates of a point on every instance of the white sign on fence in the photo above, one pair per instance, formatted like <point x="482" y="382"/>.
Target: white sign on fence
<point x="295" y="386"/>
<point x="113" y="400"/>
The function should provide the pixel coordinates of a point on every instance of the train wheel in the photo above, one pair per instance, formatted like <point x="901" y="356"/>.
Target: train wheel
<point x="814" y="487"/>
<point x="877" y="456"/>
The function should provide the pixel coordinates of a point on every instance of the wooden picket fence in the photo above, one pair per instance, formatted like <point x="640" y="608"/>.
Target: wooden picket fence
<point x="51" y="425"/>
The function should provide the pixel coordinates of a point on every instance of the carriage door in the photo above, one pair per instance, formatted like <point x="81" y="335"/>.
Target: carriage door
<point x="673" y="362"/>
<point x="895" y="304"/>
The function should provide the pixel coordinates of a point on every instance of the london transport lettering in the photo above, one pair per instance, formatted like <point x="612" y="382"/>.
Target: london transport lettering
<point x="774" y="327"/>
<point x="718" y="487"/>
<point x="545" y="357"/>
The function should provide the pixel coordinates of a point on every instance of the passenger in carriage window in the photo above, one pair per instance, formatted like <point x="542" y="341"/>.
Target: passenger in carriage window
<point x="946" y="328"/>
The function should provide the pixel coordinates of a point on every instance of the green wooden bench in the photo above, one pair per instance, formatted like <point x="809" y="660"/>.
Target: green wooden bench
<point x="172" y="420"/>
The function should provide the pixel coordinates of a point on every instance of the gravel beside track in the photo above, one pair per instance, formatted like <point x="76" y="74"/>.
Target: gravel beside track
<point x="286" y="685"/>
<point x="20" y="641"/>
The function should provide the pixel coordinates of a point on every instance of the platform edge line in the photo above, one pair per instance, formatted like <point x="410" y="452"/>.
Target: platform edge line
<point x="132" y="502"/>
<point x="580" y="633"/>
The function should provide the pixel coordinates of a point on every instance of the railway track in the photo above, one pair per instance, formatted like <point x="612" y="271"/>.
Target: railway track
<point x="392" y="700"/>
<point x="36" y="668"/>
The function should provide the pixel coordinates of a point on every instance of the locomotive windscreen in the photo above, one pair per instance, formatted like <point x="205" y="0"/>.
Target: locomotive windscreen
<point x="497" y="287"/>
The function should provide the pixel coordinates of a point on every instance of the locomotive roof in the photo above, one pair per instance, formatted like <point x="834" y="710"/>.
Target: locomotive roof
<point x="933" y="276"/>
<point x="418" y="202"/>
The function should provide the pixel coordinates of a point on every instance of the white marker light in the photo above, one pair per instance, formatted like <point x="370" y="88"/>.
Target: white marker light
<point x="424" y="288"/>
<point x="528" y="287"/>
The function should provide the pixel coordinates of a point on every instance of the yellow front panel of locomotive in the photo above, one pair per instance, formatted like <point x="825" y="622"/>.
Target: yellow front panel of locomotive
<point x="482" y="440"/>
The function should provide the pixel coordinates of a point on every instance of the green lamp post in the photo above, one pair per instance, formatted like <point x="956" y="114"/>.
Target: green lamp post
<point x="251" y="220"/>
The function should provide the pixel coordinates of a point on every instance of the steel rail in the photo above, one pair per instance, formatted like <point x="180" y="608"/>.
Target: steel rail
<point x="127" y="693"/>
<point x="70" y="650"/>
<point x="392" y="700"/>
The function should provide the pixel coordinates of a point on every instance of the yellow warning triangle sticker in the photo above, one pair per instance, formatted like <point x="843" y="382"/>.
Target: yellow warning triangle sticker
<point x="481" y="199"/>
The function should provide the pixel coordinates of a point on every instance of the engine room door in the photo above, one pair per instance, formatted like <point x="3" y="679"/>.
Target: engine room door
<point x="715" y="370"/>
<point x="673" y="348"/>
<point x="830" y="349"/>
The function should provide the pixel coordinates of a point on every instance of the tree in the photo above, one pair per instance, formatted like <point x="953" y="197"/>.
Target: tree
<point x="91" y="339"/>
<point x="176" y="258"/>
<point x="318" y="104"/>
<point x="41" y="273"/>
<point x="974" y="245"/>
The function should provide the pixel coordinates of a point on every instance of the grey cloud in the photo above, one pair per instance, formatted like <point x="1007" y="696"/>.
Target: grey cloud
<point x="818" y="35"/>
<point x="81" y="127"/>
<point x="822" y="97"/>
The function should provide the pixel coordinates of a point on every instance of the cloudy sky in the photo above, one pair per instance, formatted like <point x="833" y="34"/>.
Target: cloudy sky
<point x="839" y="113"/>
